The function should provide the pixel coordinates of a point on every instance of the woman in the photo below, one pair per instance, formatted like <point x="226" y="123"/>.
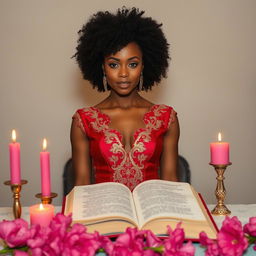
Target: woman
<point x="125" y="138"/>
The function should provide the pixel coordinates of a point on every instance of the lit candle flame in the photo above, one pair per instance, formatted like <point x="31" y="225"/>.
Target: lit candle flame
<point x="44" y="144"/>
<point x="219" y="137"/>
<point x="41" y="207"/>
<point x="13" y="136"/>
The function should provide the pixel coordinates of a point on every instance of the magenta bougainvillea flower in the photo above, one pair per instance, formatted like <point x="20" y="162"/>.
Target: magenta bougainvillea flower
<point x="250" y="228"/>
<point x="15" y="233"/>
<point x="231" y="239"/>
<point x="20" y="253"/>
<point x="174" y="244"/>
<point x="151" y="239"/>
<point x="80" y="243"/>
<point x="129" y="243"/>
<point x="105" y="243"/>
<point x="62" y="238"/>
<point x="211" y="245"/>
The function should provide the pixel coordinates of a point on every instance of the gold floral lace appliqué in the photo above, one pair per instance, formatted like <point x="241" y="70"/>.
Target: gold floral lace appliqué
<point x="127" y="166"/>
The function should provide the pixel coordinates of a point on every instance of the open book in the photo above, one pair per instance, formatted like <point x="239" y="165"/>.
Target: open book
<point x="111" y="207"/>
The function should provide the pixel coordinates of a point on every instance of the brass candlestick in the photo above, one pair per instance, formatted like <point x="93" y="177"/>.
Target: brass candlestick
<point x="220" y="192"/>
<point x="46" y="199"/>
<point x="16" y="188"/>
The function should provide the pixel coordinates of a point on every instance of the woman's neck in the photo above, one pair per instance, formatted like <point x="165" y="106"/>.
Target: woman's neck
<point x="127" y="101"/>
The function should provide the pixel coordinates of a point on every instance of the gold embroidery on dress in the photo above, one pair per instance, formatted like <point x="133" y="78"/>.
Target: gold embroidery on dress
<point x="123" y="163"/>
<point x="78" y="121"/>
<point x="171" y="118"/>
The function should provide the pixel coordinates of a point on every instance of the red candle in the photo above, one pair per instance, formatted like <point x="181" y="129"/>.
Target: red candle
<point x="41" y="214"/>
<point x="219" y="152"/>
<point x="14" y="149"/>
<point x="45" y="170"/>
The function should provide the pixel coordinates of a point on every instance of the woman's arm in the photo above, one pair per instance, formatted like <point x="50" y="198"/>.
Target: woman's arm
<point x="169" y="159"/>
<point x="80" y="155"/>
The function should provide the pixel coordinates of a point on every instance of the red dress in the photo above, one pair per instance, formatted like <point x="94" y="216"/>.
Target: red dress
<point x="110" y="160"/>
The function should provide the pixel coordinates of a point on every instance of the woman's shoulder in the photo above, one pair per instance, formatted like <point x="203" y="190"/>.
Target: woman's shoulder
<point x="163" y="108"/>
<point x="165" y="113"/>
<point x="84" y="110"/>
<point x="85" y="114"/>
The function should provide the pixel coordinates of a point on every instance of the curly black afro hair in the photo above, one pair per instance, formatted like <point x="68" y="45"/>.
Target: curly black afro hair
<point x="106" y="33"/>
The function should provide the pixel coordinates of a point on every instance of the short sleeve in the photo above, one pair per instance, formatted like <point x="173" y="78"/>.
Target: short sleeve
<point x="78" y="121"/>
<point x="172" y="117"/>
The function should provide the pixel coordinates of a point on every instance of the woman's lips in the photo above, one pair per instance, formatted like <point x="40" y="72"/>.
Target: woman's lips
<point x="123" y="85"/>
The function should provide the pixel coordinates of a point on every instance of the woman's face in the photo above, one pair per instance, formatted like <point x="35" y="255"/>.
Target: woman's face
<point x="123" y="69"/>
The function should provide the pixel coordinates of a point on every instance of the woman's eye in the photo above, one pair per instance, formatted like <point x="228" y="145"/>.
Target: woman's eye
<point x="133" y="64"/>
<point x="113" y="65"/>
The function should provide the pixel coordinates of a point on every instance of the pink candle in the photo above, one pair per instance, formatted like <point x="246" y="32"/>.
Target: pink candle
<point x="45" y="171"/>
<point x="41" y="214"/>
<point x="14" y="149"/>
<point x="219" y="152"/>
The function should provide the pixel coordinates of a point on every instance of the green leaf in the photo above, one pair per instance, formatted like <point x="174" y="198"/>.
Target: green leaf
<point x="159" y="249"/>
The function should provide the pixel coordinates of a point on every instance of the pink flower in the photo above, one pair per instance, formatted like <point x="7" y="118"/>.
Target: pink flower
<point x="60" y="223"/>
<point x="212" y="246"/>
<point x="187" y="249"/>
<point x="58" y="239"/>
<point x="105" y="243"/>
<point x="78" y="242"/>
<point x="50" y="240"/>
<point x="20" y="253"/>
<point x="129" y="243"/>
<point x="250" y="228"/>
<point x="231" y="239"/>
<point x="151" y="239"/>
<point x="37" y="237"/>
<point x="15" y="233"/>
<point x="61" y="220"/>
<point x="42" y="241"/>
<point x="125" y="251"/>
<point x="174" y="244"/>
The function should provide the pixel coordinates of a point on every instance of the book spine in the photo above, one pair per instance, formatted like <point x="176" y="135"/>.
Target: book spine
<point x="208" y="212"/>
<point x="63" y="205"/>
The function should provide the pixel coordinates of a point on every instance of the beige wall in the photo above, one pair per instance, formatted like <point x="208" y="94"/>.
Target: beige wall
<point x="211" y="85"/>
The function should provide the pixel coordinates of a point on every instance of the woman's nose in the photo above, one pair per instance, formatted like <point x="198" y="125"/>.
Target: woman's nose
<point x="123" y="71"/>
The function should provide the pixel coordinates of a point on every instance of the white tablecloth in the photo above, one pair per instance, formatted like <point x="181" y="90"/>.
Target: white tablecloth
<point x="242" y="211"/>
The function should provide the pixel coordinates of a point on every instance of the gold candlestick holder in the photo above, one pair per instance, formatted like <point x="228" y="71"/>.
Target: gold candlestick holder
<point x="16" y="188"/>
<point x="220" y="192"/>
<point x="46" y="199"/>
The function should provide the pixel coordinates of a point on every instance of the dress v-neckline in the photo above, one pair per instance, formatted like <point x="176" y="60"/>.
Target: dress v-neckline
<point x="120" y="136"/>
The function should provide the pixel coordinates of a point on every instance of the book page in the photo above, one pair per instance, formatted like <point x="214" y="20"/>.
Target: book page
<point x="159" y="198"/>
<point x="101" y="200"/>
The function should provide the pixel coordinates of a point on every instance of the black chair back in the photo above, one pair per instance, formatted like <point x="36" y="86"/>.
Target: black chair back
<point x="184" y="173"/>
<point x="68" y="177"/>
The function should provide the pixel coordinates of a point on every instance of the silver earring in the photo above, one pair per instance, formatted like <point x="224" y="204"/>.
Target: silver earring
<point x="141" y="82"/>
<point x="105" y="84"/>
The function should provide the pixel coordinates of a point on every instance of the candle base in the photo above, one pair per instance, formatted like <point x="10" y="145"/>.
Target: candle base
<point x="16" y="188"/>
<point x="220" y="191"/>
<point x="220" y="210"/>
<point x="46" y="199"/>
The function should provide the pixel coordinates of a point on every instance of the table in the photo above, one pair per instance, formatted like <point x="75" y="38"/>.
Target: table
<point x="242" y="211"/>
